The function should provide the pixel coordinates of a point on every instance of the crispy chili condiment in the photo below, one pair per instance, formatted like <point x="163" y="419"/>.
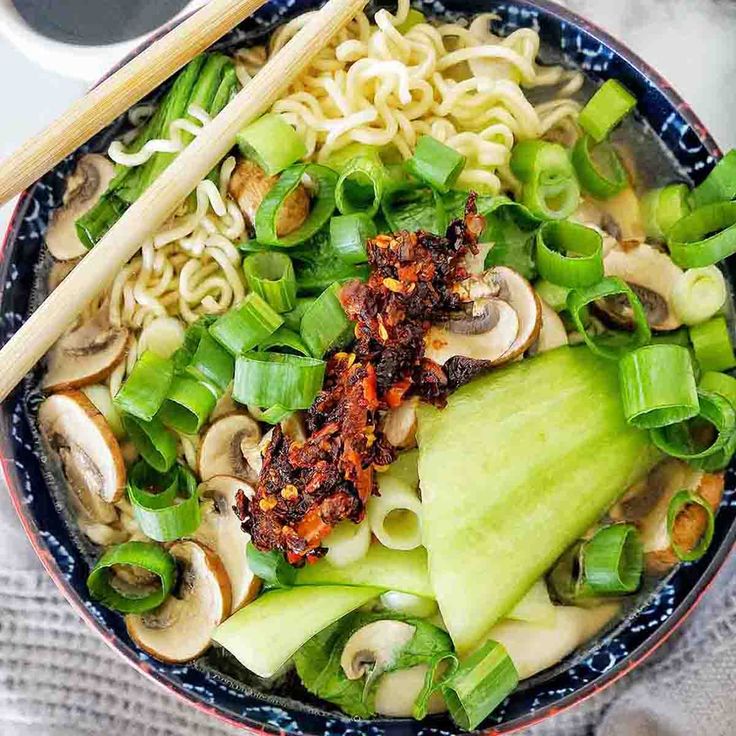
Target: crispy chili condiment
<point x="306" y="487"/>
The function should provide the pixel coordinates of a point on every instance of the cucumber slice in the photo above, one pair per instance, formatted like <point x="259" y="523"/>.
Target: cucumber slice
<point x="516" y="467"/>
<point x="390" y="569"/>
<point x="265" y="634"/>
<point x="404" y="468"/>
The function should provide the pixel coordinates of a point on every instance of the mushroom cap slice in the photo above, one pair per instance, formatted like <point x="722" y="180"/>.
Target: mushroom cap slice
<point x="652" y="275"/>
<point x="87" y="353"/>
<point x="180" y="629"/>
<point x="397" y="692"/>
<point x="249" y="185"/>
<point x="374" y="647"/>
<point x="58" y="272"/>
<point x="552" y="333"/>
<point x="400" y="424"/>
<point x="646" y="504"/>
<point x="225" y="444"/>
<point x="443" y="342"/>
<point x="519" y="294"/>
<point x="220" y="531"/>
<point x="89" y="453"/>
<point x="83" y="190"/>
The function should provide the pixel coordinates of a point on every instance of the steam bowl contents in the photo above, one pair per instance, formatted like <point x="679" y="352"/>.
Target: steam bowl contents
<point x="423" y="388"/>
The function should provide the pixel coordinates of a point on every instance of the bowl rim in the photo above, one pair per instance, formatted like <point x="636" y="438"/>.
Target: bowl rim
<point x="678" y="617"/>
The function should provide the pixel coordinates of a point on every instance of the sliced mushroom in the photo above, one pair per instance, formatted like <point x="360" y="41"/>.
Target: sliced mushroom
<point x="647" y="504"/>
<point x="225" y="405"/>
<point x="58" y="272"/>
<point x="220" y="531"/>
<point x="552" y="334"/>
<point x="83" y="190"/>
<point x="619" y="216"/>
<point x="534" y="647"/>
<point x="85" y="354"/>
<point x="224" y="447"/>
<point x="397" y="692"/>
<point x="180" y="629"/>
<point x="652" y="275"/>
<point x="499" y="329"/>
<point x="89" y="453"/>
<point x="249" y="185"/>
<point x="400" y="424"/>
<point x="374" y="647"/>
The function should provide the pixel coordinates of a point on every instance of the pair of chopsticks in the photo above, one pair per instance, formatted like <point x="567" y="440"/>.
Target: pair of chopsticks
<point x="115" y="95"/>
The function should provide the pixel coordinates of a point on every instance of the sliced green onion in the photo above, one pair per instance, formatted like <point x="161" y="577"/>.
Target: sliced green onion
<point x="479" y="684"/>
<point x="274" y="414"/>
<point x="435" y="163"/>
<point x="658" y="386"/>
<point x="719" y="383"/>
<point x="698" y="294"/>
<point x="146" y="387"/>
<point x="413" y="18"/>
<point x="271" y="567"/>
<point x="611" y="103"/>
<point x="322" y="207"/>
<point x="293" y="319"/>
<point x="613" y="560"/>
<point x="359" y="187"/>
<point x="611" y="346"/>
<point x="567" y="578"/>
<point x="325" y="326"/>
<point x="662" y="208"/>
<point x="271" y="276"/>
<point x="284" y="338"/>
<point x="680" y="501"/>
<point x="705" y="236"/>
<point x="551" y="190"/>
<point x="178" y="519"/>
<point x="673" y="337"/>
<point x="155" y="490"/>
<point x="188" y="405"/>
<point x="203" y="358"/>
<point x="247" y="325"/>
<point x="677" y="440"/>
<point x="145" y="555"/>
<point x="267" y="379"/>
<point x="349" y="235"/>
<point x="156" y="445"/>
<point x="272" y="143"/>
<point x="569" y="254"/>
<point x="720" y="184"/>
<point x="599" y="167"/>
<point x="712" y="344"/>
<point x="553" y="295"/>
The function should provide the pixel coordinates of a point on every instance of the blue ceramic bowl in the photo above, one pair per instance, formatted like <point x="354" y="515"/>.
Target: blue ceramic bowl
<point x="659" y="610"/>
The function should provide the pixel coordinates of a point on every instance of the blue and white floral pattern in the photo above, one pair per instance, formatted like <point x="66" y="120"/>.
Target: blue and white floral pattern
<point x="67" y="558"/>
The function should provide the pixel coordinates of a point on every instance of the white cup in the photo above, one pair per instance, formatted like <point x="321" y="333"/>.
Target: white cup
<point x="87" y="63"/>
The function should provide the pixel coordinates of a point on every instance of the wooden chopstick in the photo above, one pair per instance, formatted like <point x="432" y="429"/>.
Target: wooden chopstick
<point x="98" y="268"/>
<point x="119" y="92"/>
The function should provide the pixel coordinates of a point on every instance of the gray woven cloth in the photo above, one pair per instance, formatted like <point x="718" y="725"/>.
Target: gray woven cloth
<point x="58" y="679"/>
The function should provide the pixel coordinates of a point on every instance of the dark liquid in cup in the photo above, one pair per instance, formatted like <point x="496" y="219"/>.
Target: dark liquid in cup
<point x="96" y="22"/>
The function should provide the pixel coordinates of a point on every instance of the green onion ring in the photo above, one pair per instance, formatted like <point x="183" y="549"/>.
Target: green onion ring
<point x="153" y="441"/>
<point x="204" y="359"/>
<point x="267" y="379"/>
<point x="613" y="559"/>
<point x="272" y="143"/>
<point x="325" y="326"/>
<point x="271" y="276"/>
<point x="712" y="345"/>
<point x="284" y="338"/>
<point x="606" y="108"/>
<point x="349" y="235"/>
<point x="719" y="185"/>
<point x="658" y="386"/>
<point x="615" y="346"/>
<point x="145" y="555"/>
<point x="555" y="240"/>
<point x="323" y="205"/>
<point x="145" y="389"/>
<point x="246" y="325"/>
<point x="173" y="521"/>
<point x="188" y="405"/>
<point x="662" y="208"/>
<point x="361" y="172"/>
<point x="705" y="236"/>
<point x="675" y="439"/>
<point x="435" y="163"/>
<point x="567" y="578"/>
<point x="143" y="477"/>
<point x="679" y="501"/>
<point x="599" y="168"/>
